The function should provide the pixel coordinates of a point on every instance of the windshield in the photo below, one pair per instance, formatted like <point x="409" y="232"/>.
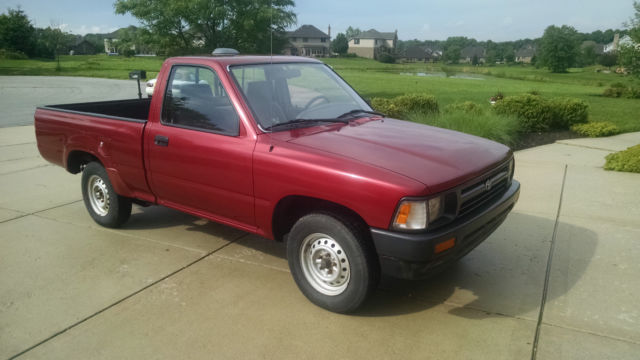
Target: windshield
<point x="295" y="93"/>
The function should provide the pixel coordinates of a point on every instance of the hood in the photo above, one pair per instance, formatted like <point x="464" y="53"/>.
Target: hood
<point x="438" y="158"/>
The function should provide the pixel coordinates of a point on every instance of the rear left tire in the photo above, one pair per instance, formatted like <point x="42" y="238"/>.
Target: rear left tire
<point x="105" y="206"/>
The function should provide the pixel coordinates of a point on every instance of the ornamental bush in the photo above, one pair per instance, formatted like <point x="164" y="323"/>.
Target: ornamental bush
<point x="402" y="105"/>
<point x="626" y="160"/>
<point x="596" y="129"/>
<point x="537" y="114"/>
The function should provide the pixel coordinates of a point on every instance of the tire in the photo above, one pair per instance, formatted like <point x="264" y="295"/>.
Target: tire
<point x="105" y="206"/>
<point x="332" y="261"/>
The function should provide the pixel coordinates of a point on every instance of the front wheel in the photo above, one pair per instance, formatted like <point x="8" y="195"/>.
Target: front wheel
<point x="332" y="262"/>
<point x="105" y="206"/>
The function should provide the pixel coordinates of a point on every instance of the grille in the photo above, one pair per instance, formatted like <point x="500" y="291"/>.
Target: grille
<point x="484" y="190"/>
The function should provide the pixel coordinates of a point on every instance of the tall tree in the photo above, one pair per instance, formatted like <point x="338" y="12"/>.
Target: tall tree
<point x="629" y="54"/>
<point x="351" y="32"/>
<point x="16" y="32"/>
<point x="340" y="44"/>
<point x="255" y="26"/>
<point x="559" y="48"/>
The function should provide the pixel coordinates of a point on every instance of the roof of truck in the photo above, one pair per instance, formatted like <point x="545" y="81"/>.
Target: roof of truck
<point x="245" y="59"/>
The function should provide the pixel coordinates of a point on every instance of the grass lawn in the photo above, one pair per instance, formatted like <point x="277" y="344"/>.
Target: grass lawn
<point x="374" y="79"/>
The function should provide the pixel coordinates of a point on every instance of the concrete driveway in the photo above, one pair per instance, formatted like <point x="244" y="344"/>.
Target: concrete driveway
<point x="19" y="95"/>
<point x="559" y="279"/>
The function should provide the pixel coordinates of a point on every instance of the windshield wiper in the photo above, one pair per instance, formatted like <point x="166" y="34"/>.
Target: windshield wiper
<point x="358" y="111"/>
<point x="302" y="121"/>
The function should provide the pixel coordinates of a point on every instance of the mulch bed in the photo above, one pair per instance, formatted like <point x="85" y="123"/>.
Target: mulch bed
<point x="536" y="139"/>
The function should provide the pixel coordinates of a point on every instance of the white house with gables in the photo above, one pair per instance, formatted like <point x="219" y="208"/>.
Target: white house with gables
<point x="308" y="40"/>
<point x="370" y="43"/>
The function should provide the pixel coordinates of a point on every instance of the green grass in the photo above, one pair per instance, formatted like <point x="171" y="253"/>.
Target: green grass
<point x="626" y="160"/>
<point x="503" y="129"/>
<point x="384" y="80"/>
<point x="375" y="79"/>
<point x="101" y="66"/>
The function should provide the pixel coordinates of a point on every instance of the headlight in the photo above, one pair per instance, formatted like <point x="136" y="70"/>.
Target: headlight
<point x="417" y="214"/>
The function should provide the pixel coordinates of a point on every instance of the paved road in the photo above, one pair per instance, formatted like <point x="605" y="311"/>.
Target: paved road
<point x="19" y="95"/>
<point x="560" y="275"/>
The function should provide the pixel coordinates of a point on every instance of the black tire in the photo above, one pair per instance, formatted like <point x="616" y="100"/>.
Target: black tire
<point x="326" y="240"/>
<point x="105" y="206"/>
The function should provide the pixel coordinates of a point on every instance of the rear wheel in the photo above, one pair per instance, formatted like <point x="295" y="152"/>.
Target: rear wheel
<point x="105" y="206"/>
<point x="332" y="262"/>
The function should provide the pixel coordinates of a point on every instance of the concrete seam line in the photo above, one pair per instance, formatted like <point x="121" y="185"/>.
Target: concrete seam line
<point x="630" y="341"/>
<point x="22" y="170"/>
<point x="545" y="289"/>
<point x="585" y="146"/>
<point x="27" y="143"/>
<point x="34" y="213"/>
<point x="121" y="300"/>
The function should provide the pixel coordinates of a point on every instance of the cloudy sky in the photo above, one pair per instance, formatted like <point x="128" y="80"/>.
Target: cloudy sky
<point x="485" y="19"/>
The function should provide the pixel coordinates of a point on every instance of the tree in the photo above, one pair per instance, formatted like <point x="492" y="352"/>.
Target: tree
<point x="608" y="59"/>
<point x="559" y="48"/>
<point x="588" y="55"/>
<point x="180" y="26"/>
<point x="475" y="60"/>
<point x="629" y="54"/>
<point x="351" y="33"/>
<point x="340" y="44"/>
<point x="452" y="54"/>
<point x="56" y="41"/>
<point x="510" y="56"/>
<point x="17" y="32"/>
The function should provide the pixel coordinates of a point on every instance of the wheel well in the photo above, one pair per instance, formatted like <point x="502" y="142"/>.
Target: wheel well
<point x="291" y="208"/>
<point x="78" y="159"/>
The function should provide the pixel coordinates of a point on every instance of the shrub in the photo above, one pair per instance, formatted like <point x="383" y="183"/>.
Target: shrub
<point x="534" y="113"/>
<point x="405" y="104"/>
<point x="568" y="112"/>
<point x="12" y="55"/>
<point x="615" y="90"/>
<point x="386" y="58"/>
<point x="537" y="114"/>
<point x="626" y="160"/>
<point x="596" y="129"/>
<point x="467" y="107"/>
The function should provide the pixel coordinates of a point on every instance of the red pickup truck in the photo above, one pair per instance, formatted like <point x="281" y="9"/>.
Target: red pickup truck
<point x="284" y="148"/>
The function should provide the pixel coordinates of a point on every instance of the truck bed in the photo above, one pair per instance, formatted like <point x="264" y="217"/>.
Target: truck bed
<point x="130" y="110"/>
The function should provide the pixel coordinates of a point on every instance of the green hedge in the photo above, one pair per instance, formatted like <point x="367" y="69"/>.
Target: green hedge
<point x="467" y="107"/>
<point x="617" y="90"/>
<point x="626" y="160"/>
<point x="403" y="105"/>
<point x="596" y="129"/>
<point x="537" y="114"/>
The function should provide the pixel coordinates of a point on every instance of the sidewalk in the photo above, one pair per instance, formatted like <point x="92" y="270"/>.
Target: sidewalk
<point x="169" y="285"/>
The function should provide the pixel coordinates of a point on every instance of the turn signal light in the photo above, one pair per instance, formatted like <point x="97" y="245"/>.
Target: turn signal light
<point x="445" y="245"/>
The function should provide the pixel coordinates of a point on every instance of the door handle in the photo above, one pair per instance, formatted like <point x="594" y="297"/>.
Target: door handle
<point x="161" y="140"/>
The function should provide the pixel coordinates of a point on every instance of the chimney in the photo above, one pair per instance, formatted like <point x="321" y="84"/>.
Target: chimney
<point x="329" y="32"/>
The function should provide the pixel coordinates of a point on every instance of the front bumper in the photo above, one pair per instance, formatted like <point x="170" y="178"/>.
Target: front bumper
<point x="411" y="255"/>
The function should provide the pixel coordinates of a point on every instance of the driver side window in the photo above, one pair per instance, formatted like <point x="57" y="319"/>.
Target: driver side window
<point x="196" y="99"/>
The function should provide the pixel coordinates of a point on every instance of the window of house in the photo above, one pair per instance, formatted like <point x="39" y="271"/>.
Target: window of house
<point x="293" y="39"/>
<point x="324" y="40"/>
<point x="196" y="99"/>
<point x="305" y="39"/>
<point x="356" y="41"/>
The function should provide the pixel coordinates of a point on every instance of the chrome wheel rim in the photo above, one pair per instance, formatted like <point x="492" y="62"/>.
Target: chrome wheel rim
<point x="325" y="264"/>
<point x="99" y="197"/>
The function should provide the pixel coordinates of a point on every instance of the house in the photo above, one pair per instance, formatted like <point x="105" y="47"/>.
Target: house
<point x="308" y="40"/>
<point x="468" y="53"/>
<point x="110" y="46"/>
<point x="525" y="55"/>
<point x="83" y="47"/>
<point x="420" y="53"/>
<point x="371" y="43"/>
<point x="617" y="42"/>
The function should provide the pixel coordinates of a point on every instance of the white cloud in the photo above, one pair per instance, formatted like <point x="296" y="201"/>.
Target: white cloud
<point x="507" y="20"/>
